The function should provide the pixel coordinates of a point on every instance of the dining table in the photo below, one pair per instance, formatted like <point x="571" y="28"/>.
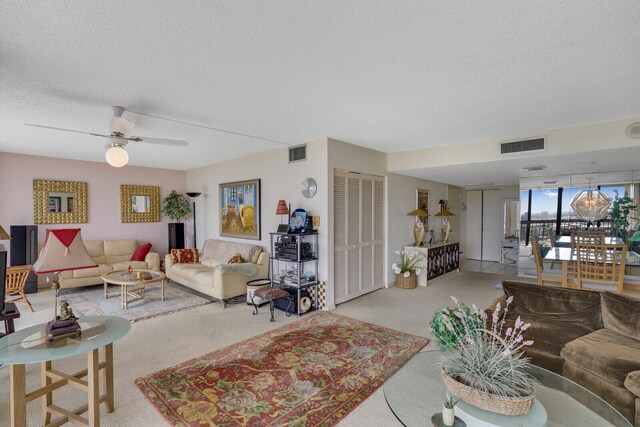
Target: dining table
<point x="565" y="241"/>
<point x="567" y="255"/>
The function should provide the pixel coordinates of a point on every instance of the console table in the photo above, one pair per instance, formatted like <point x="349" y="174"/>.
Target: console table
<point x="440" y="259"/>
<point x="27" y="346"/>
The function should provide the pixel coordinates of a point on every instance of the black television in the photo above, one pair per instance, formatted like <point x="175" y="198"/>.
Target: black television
<point x="3" y="277"/>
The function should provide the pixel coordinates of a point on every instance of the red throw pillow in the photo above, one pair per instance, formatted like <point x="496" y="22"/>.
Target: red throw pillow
<point x="175" y="256"/>
<point x="235" y="259"/>
<point x="141" y="252"/>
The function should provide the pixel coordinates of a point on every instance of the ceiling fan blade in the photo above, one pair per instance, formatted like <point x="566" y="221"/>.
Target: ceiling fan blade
<point x="65" y="130"/>
<point x="159" y="141"/>
<point x="122" y="125"/>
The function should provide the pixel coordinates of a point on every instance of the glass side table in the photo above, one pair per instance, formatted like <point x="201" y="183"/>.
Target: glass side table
<point x="416" y="392"/>
<point x="25" y="346"/>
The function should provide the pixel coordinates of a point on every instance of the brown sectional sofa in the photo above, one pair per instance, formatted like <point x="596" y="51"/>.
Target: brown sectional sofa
<point x="589" y="337"/>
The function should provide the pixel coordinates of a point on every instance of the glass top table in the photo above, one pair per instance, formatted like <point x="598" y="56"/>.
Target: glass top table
<point x="416" y="392"/>
<point x="25" y="346"/>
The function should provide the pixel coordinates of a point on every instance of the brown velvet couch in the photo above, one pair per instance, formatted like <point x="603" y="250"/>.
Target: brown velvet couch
<point x="589" y="337"/>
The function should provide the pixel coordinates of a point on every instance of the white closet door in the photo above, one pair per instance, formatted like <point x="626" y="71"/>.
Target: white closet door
<point x="491" y="217"/>
<point x="340" y="238"/>
<point x="358" y="234"/>
<point x="473" y="240"/>
<point x="353" y="236"/>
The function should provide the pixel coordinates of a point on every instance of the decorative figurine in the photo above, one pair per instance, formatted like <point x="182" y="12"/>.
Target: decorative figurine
<point x="66" y="312"/>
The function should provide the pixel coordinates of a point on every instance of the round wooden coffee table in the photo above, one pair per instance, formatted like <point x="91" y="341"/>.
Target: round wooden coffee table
<point x="132" y="284"/>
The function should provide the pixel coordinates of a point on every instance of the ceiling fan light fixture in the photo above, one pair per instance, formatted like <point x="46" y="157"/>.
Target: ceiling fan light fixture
<point x="117" y="156"/>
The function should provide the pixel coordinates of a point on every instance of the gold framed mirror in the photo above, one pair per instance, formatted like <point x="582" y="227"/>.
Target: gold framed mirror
<point x="139" y="203"/>
<point x="59" y="202"/>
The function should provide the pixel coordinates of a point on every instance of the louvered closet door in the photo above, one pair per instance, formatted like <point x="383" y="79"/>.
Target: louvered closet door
<point x="358" y="234"/>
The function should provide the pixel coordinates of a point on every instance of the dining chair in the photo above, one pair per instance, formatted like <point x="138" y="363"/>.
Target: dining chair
<point x="537" y="255"/>
<point x="16" y="278"/>
<point x="600" y="264"/>
<point x="587" y="237"/>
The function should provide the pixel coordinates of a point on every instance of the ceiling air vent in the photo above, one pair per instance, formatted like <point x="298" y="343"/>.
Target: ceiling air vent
<point x="298" y="153"/>
<point x="520" y="146"/>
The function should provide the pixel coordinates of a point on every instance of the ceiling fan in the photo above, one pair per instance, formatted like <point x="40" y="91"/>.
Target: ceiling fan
<point x="118" y="138"/>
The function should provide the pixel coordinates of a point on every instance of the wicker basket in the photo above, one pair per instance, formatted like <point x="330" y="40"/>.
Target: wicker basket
<point x="407" y="282"/>
<point x="488" y="402"/>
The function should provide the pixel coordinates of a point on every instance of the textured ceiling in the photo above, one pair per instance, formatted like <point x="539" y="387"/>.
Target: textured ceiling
<point x="387" y="75"/>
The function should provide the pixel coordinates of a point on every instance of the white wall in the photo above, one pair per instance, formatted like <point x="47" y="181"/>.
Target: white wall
<point x="401" y="199"/>
<point x="574" y="140"/>
<point x="279" y="179"/>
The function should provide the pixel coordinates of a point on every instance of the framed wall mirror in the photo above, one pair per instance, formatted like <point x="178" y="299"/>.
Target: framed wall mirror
<point x="59" y="202"/>
<point x="139" y="203"/>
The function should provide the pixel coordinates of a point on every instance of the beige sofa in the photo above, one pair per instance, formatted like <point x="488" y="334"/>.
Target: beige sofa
<point x="210" y="277"/>
<point x="110" y="255"/>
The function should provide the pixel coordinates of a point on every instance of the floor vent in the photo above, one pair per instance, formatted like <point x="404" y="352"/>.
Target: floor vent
<point x="298" y="153"/>
<point x="520" y="146"/>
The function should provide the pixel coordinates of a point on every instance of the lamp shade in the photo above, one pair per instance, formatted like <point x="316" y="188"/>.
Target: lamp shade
<point x="117" y="156"/>
<point x="193" y="195"/>
<point x="282" y="208"/>
<point x="63" y="250"/>
<point x="418" y="212"/>
<point x="445" y="213"/>
<point x="591" y="205"/>
<point x="4" y="235"/>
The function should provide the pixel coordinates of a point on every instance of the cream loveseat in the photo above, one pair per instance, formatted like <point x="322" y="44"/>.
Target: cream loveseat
<point x="110" y="255"/>
<point x="213" y="276"/>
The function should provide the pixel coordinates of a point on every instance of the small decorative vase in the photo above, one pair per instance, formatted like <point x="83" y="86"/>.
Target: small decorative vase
<point x="407" y="282"/>
<point x="448" y="416"/>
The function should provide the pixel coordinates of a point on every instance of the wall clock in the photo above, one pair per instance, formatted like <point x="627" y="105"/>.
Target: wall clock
<point x="309" y="188"/>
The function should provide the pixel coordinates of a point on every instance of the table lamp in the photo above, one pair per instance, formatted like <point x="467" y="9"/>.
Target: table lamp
<point x="63" y="250"/>
<point x="193" y="199"/>
<point x="3" y="236"/>
<point x="444" y="223"/>
<point x="282" y="209"/>
<point x="418" y="226"/>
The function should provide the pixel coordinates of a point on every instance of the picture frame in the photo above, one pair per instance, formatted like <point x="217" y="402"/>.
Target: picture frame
<point x="129" y="212"/>
<point x="240" y="214"/>
<point x="422" y="202"/>
<point x="60" y="202"/>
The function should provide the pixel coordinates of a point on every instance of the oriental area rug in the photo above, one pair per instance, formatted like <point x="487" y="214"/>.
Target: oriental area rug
<point x="311" y="372"/>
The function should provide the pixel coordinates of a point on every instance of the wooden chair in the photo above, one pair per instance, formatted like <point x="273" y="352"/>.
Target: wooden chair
<point x="587" y="237"/>
<point x="537" y="255"/>
<point x="600" y="264"/>
<point x="15" y="280"/>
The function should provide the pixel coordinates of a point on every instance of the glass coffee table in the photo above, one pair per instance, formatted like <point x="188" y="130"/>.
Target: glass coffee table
<point x="416" y="392"/>
<point x="132" y="285"/>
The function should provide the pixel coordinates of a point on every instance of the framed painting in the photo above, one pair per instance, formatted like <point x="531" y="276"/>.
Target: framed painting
<point x="422" y="202"/>
<point x="240" y="209"/>
<point x="55" y="204"/>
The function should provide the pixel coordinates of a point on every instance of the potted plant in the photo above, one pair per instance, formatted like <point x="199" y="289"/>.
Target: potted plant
<point x="448" y="413"/>
<point x="176" y="206"/>
<point x="406" y="271"/>
<point x="620" y="210"/>
<point x="487" y="368"/>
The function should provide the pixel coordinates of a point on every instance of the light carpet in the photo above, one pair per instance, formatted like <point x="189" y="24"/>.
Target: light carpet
<point x="90" y="301"/>
<point x="309" y="373"/>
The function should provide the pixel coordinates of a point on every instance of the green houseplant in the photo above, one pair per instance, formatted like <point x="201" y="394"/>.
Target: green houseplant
<point x="620" y="210"/>
<point x="176" y="206"/>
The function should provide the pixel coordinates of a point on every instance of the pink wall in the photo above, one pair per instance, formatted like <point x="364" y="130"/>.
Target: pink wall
<point x="17" y="173"/>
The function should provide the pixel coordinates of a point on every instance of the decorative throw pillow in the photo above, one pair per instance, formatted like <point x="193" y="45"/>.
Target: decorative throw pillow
<point x="141" y="252"/>
<point x="235" y="259"/>
<point x="254" y="253"/>
<point x="184" y="256"/>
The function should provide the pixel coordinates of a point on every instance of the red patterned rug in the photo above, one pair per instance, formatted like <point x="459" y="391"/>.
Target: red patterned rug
<point x="311" y="372"/>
